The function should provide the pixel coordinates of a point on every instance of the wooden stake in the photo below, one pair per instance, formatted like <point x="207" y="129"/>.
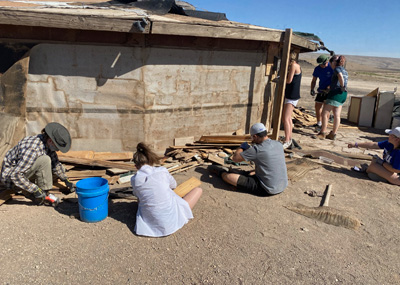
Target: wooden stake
<point x="278" y="102"/>
<point x="328" y="193"/>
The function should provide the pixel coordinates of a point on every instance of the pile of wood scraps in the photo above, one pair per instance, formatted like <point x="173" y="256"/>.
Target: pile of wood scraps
<point x="208" y="149"/>
<point x="302" y="119"/>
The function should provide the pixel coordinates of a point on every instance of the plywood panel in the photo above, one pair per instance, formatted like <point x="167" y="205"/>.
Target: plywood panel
<point x="354" y="109"/>
<point x="367" y="111"/>
<point x="384" y="110"/>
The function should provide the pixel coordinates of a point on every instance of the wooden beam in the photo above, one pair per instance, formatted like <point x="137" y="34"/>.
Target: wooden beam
<point x="280" y="96"/>
<point x="203" y="30"/>
<point x="80" y="19"/>
<point x="101" y="163"/>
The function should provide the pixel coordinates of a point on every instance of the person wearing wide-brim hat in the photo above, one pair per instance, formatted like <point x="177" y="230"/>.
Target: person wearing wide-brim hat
<point x="30" y="165"/>
<point x="388" y="168"/>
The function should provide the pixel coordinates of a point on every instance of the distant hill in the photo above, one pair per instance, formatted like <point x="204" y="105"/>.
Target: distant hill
<point x="359" y="63"/>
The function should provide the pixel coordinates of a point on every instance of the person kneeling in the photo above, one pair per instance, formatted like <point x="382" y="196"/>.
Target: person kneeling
<point x="161" y="211"/>
<point x="270" y="176"/>
<point x="388" y="168"/>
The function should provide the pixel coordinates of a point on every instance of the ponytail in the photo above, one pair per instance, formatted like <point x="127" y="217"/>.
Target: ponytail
<point x="144" y="155"/>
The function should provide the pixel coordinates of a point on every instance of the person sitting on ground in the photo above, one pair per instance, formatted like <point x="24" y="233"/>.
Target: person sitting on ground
<point x="388" y="168"/>
<point x="324" y="73"/>
<point x="335" y="99"/>
<point x="292" y="96"/>
<point x="161" y="211"/>
<point x="30" y="165"/>
<point x="270" y="176"/>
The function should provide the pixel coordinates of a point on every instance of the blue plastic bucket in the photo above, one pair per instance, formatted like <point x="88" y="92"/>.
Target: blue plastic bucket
<point x="92" y="199"/>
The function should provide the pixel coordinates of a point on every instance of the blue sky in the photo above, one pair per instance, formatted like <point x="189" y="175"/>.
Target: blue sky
<point x="351" y="27"/>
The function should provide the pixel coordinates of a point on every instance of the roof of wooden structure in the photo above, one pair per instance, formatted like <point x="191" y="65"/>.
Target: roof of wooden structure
<point x="111" y="17"/>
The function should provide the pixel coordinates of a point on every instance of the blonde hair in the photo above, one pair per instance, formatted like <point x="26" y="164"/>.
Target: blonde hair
<point x="144" y="155"/>
<point x="293" y="55"/>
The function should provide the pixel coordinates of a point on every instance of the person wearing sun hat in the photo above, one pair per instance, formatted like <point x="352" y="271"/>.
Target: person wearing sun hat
<point x="386" y="169"/>
<point x="270" y="175"/>
<point x="30" y="165"/>
<point x="324" y="73"/>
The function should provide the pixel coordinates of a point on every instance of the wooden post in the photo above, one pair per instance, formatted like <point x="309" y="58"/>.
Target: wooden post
<point x="280" y="96"/>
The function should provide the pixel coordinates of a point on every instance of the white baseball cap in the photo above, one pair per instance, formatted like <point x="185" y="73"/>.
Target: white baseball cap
<point x="257" y="128"/>
<point x="395" y="132"/>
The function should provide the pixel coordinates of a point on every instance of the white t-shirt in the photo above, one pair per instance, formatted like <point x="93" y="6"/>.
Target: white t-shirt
<point x="161" y="212"/>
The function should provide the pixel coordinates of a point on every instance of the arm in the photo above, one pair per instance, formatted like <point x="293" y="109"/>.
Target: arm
<point x="236" y="157"/>
<point x="341" y="80"/>
<point x="18" y="173"/>
<point x="290" y="74"/>
<point x="370" y="145"/>
<point x="313" y="82"/>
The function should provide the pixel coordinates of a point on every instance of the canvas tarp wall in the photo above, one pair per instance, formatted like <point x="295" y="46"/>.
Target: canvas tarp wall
<point x="111" y="97"/>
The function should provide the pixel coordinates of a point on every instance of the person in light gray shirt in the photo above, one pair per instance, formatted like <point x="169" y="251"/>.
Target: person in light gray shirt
<point x="270" y="175"/>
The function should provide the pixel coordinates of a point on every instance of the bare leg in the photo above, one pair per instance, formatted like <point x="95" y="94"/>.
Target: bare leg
<point x="230" y="178"/>
<point x="336" y="121"/>
<point x="193" y="196"/>
<point x="287" y="121"/>
<point x="318" y="111"/>
<point x="378" y="169"/>
<point x="325" y="117"/>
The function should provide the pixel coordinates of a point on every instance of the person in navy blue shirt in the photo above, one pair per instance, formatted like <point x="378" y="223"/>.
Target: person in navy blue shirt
<point x="324" y="73"/>
<point x="388" y="168"/>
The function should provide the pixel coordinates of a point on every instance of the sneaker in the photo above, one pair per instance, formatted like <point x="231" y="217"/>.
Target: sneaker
<point x="217" y="169"/>
<point x="331" y="136"/>
<point x="320" y="136"/>
<point x="287" y="144"/>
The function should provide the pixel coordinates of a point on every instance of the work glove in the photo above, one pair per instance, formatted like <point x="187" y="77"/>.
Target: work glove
<point x="39" y="195"/>
<point x="244" y="146"/>
<point x="312" y="93"/>
<point x="71" y="186"/>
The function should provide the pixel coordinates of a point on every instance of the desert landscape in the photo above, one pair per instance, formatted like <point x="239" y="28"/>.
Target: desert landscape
<point x="234" y="238"/>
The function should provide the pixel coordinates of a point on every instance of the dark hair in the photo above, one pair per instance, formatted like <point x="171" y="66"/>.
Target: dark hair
<point x="45" y="135"/>
<point x="144" y="155"/>
<point x="333" y="58"/>
<point x="262" y="134"/>
<point x="341" y="60"/>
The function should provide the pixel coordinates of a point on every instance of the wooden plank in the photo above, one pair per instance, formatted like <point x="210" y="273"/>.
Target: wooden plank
<point x="5" y="195"/>
<point x="186" y="165"/>
<point x="214" y="31"/>
<point x="101" y="163"/>
<point x="183" y="140"/>
<point x="216" y="159"/>
<point x="85" y="173"/>
<point x="225" y="139"/>
<point x="78" y="154"/>
<point x="278" y="102"/>
<point x="116" y="171"/>
<point x="187" y="186"/>
<point x="121" y="156"/>
<point x="82" y="19"/>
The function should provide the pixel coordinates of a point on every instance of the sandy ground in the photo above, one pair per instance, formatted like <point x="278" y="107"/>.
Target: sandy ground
<point x="235" y="238"/>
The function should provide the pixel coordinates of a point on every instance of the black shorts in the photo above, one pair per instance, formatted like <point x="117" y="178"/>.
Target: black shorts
<point x="251" y="184"/>
<point x="321" y="97"/>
